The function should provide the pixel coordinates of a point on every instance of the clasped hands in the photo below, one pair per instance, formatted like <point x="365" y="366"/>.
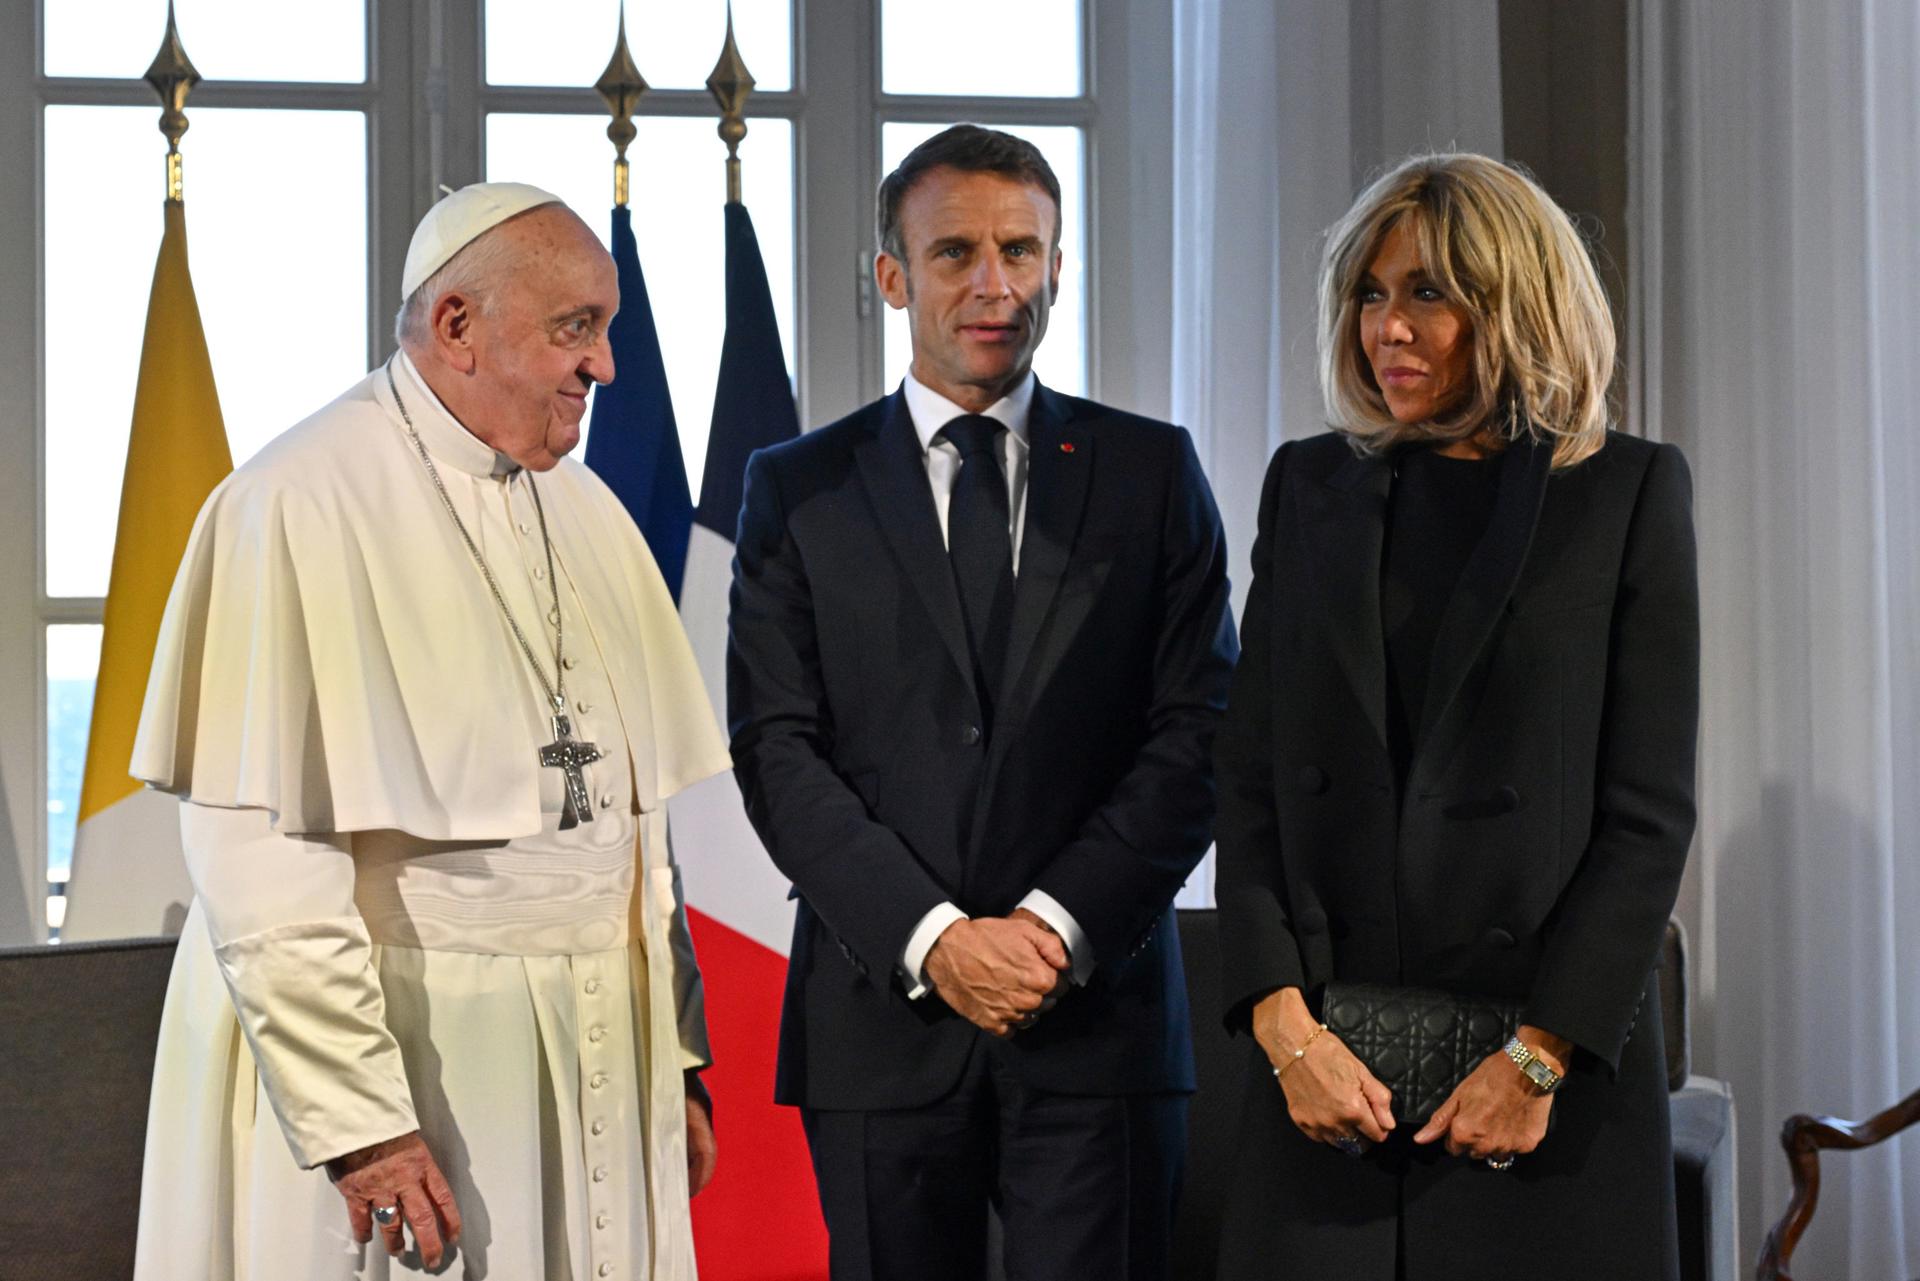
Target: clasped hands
<point x="1332" y="1097"/>
<point x="999" y="973"/>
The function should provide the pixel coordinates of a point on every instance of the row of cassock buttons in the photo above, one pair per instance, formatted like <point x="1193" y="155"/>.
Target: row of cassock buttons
<point x="596" y="1082"/>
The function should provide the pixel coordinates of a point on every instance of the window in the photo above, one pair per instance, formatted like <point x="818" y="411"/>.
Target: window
<point x="1044" y="99"/>
<point x="323" y="130"/>
<point x="538" y="129"/>
<point x="280" y="263"/>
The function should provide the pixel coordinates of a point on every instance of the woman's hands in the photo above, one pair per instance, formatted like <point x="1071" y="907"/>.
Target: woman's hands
<point x="1330" y="1094"/>
<point x="1497" y="1112"/>
<point x="1494" y="1114"/>
<point x="398" y="1172"/>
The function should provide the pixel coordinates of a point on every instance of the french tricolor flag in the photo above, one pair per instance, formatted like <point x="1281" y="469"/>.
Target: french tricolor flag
<point x="760" y="1218"/>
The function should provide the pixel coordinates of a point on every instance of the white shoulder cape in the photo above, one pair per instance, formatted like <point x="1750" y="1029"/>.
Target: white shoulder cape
<point x="330" y="653"/>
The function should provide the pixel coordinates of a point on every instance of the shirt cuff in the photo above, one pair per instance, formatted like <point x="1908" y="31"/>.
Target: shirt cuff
<point x="1079" y="951"/>
<point x="913" y="957"/>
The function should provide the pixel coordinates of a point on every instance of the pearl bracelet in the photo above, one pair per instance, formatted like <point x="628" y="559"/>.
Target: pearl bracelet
<point x="1299" y="1053"/>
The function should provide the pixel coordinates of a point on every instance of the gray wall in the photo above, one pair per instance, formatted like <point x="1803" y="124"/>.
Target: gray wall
<point x="1563" y="104"/>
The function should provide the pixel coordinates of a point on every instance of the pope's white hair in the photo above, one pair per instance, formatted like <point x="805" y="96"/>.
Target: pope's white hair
<point x="475" y="273"/>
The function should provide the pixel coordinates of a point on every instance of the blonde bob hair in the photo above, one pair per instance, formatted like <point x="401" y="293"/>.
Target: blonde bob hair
<point x="1503" y="251"/>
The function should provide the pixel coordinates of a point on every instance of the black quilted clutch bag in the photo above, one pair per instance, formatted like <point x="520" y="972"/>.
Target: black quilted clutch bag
<point x="1419" y="1043"/>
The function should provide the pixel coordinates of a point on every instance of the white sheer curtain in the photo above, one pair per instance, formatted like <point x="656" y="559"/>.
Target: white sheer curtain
<point x="1776" y="337"/>
<point x="1282" y="109"/>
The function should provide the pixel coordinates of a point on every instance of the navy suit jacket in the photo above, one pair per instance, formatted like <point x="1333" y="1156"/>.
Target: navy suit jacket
<point x="860" y="747"/>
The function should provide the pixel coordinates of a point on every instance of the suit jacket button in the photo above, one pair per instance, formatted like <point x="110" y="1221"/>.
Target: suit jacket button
<point x="1312" y="780"/>
<point x="1310" y="921"/>
<point x="1507" y="799"/>
<point x="1499" y="937"/>
<point x="970" y="736"/>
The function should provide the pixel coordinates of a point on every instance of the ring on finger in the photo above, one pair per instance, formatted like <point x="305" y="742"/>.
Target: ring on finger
<point x="1351" y="1144"/>
<point x="1501" y="1162"/>
<point x="386" y="1216"/>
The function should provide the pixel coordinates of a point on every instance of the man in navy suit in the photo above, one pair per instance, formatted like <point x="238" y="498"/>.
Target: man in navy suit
<point x="980" y="644"/>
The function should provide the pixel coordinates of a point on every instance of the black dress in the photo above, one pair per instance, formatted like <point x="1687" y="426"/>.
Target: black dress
<point x="1458" y="753"/>
<point x="1437" y="511"/>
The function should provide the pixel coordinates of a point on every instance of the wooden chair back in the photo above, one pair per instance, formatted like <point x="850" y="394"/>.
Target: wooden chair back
<point x="1804" y="1137"/>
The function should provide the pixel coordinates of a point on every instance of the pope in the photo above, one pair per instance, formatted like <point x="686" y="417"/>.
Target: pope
<point x="423" y="696"/>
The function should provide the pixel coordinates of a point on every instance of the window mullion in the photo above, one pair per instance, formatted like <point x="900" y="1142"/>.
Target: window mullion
<point x="391" y="69"/>
<point x="1129" y="158"/>
<point x="1077" y="113"/>
<point x="23" y="713"/>
<point x="449" y="121"/>
<point x="656" y="102"/>
<point x="837" y="143"/>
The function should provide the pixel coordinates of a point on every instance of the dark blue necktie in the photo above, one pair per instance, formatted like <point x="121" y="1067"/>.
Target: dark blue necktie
<point x="980" y="546"/>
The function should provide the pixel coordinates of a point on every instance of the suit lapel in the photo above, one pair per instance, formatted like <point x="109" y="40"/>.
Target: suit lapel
<point x="1059" y="471"/>
<point x="1347" y="516"/>
<point x="895" y="474"/>
<point x="1485" y="585"/>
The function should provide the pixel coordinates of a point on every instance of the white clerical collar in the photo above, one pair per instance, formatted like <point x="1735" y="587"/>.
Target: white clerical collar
<point x="443" y="434"/>
<point x="931" y="411"/>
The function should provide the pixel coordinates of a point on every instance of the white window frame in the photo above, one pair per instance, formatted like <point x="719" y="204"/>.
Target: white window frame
<point x="426" y="99"/>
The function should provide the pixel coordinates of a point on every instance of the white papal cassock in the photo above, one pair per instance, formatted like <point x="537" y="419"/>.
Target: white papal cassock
<point x="390" y="930"/>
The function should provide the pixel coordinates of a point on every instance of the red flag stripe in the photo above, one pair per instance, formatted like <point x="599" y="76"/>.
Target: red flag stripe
<point x="759" y="1220"/>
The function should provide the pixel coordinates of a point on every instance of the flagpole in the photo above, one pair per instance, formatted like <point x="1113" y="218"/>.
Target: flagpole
<point x="173" y="77"/>
<point x="620" y="87"/>
<point x="730" y="84"/>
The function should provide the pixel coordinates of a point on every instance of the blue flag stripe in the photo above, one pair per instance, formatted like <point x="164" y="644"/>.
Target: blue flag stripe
<point x="635" y="444"/>
<point x="753" y="402"/>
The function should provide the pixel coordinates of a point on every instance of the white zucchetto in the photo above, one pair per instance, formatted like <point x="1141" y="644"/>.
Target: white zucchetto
<point x="460" y="219"/>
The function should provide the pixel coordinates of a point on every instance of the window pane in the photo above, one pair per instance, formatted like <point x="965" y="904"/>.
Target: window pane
<point x="227" y="39"/>
<point x="568" y="42"/>
<point x="1061" y="361"/>
<point x="281" y="284"/>
<point x="73" y="661"/>
<point x="679" y="188"/>
<point x="918" y="39"/>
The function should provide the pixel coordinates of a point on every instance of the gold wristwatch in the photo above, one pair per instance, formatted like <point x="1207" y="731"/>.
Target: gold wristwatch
<point x="1532" y="1065"/>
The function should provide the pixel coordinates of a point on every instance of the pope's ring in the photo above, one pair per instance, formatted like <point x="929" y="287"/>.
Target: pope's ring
<point x="1500" y="1162"/>
<point x="386" y="1215"/>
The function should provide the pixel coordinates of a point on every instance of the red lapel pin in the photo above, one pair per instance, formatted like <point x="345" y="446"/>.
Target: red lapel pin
<point x="1066" y="447"/>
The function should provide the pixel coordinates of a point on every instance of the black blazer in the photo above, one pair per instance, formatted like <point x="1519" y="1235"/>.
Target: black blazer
<point x="858" y="745"/>
<point x="1535" y="852"/>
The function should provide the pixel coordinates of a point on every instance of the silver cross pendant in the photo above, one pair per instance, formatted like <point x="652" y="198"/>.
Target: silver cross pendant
<point x="570" y="756"/>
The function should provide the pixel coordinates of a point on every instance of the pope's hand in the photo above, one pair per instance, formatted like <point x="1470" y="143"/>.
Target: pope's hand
<point x="398" y="1172"/>
<point x="703" y="1150"/>
<point x="997" y="974"/>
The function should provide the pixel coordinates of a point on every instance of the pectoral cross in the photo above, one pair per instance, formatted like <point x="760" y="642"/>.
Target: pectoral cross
<point x="570" y="756"/>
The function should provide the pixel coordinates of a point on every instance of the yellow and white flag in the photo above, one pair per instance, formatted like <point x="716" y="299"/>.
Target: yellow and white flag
<point x="128" y="877"/>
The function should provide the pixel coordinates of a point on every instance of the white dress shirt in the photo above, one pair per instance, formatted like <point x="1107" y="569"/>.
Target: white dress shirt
<point x="930" y="412"/>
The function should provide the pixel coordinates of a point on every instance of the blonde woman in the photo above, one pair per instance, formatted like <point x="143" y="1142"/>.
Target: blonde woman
<point x="1457" y="766"/>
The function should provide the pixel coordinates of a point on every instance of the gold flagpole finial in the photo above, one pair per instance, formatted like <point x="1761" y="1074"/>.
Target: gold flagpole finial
<point x="172" y="77"/>
<point x="730" y="84"/>
<point x="620" y="86"/>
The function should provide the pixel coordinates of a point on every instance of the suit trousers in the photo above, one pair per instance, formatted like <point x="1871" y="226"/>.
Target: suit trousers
<point x="1084" y="1185"/>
